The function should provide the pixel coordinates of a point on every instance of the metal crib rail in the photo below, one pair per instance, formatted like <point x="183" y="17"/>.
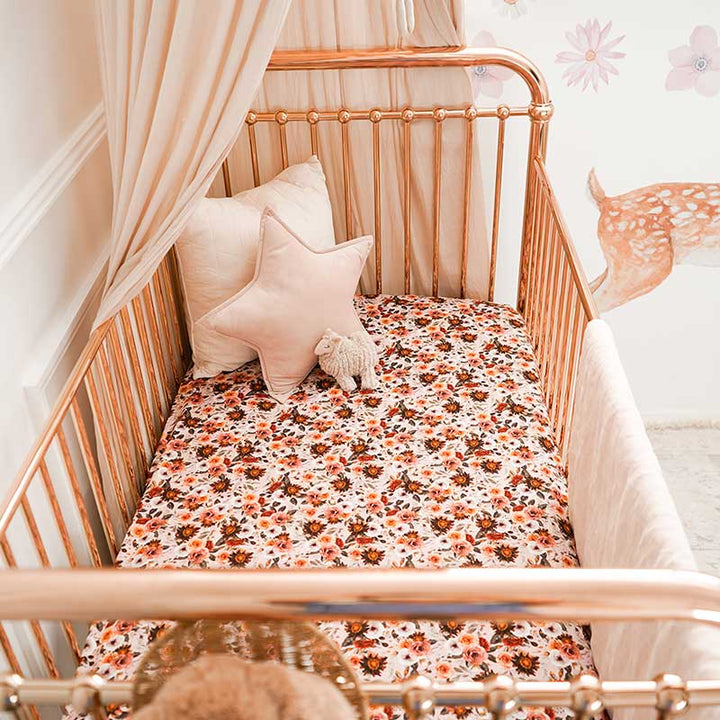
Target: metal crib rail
<point x="586" y="695"/>
<point x="572" y="595"/>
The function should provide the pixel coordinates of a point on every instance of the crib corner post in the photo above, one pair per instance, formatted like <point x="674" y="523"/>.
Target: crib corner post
<point x="540" y="114"/>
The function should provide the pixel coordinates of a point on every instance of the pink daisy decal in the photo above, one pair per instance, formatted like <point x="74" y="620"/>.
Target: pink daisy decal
<point x="590" y="62"/>
<point x="696" y="65"/>
<point x="488" y="79"/>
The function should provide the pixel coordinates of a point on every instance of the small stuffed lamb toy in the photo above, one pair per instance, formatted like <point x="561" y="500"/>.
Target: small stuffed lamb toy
<point x="346" y="357"/>
<point x="224" y="686"/>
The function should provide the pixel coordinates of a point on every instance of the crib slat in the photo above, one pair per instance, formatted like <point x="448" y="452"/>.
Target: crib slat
<point x="375" y="118"/>
<point x="45" y="562"/>
<point x="57" y="514"/>
<point x="537" y="264"/>
<point x="160" y="296"/>
<point x="95" y="482"/>
<point x="533" y="253"/>
<point x="226" y="178"/>
<point x="312" y="117"/>
<point x="252" y="144"/>
<point x="503" y="112"/>
<point x="559" y="349"/>
<point x="439" y="115"/>
<point x="172" y="299"/>
<point x="35" y="626"/>
<point x="142" y="393"/>
<point x="407" y="116"/>
<point x="281" y="119"/>
<point x="140" y="321"/>
<point x="117" y="423"/>
<point x="149" y="308"/>
<point x="121" y="372"/>
<point x="470" y="115"/>
<point x="25" y="710"/>
<point x="552" y="282"/>
<point x="577" y="332"/>
<point x="107" y="448"/>
<point x="343" y="117"/>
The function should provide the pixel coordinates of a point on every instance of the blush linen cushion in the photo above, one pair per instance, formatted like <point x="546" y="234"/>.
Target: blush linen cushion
<point x="297" y="293"/>
<point x="218" y="249"/>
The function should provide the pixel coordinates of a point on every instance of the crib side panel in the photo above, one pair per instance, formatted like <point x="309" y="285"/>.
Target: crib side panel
<point x="73" y="500"/>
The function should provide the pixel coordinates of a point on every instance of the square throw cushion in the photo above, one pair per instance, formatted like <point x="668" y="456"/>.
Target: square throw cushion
<point x="297" y="293"/>
<point x="218" y="249"/>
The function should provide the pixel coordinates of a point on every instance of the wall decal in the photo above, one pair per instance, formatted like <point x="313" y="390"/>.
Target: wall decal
<point x="590" y="62"/>
<point x="644" y="233"/>
<point x="697" y="65"/>
<point x="488" y="79"/>
<point x="511" y="8"/>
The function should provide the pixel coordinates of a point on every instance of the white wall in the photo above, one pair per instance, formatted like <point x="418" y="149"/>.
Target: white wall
<point x="634" y="133"/>
<point x="55" y="206"/>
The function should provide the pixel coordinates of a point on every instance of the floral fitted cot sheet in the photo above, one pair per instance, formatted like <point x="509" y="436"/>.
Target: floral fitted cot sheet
<point x="450" y="463"/>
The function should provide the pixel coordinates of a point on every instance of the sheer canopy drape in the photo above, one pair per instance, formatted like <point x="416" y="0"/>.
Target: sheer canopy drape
<point x="337" y="24"/>
<point x="178" y="79"/>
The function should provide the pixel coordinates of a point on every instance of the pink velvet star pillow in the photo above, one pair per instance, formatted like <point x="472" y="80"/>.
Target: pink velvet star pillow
<point x="296" y="294"/>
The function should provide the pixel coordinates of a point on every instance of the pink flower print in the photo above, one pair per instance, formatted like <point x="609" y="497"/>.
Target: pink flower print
<point x="594" y="50"/>
<point x="696" y="65"/>
<point x="488" y="79"/>
<point x="511" y="8"/>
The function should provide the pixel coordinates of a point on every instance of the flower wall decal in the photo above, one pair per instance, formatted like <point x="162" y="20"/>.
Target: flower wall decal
<point x="697" y="65"/>
<point x="511" y="8"/>
<point x="590" y="62"/>
<point x="488" y="79"/>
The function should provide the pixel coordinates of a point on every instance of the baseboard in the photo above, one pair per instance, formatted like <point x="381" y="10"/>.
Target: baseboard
<point x="31" y="204"/>
<point x="675" y="422"/>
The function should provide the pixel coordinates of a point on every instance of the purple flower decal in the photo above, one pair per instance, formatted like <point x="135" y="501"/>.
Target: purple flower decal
<point x="696" y="65"/>
<point x="590" y="62"/>
<point x="488" y="79"/>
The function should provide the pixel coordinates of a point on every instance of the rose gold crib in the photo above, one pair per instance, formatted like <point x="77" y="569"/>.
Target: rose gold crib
<point x="73" y="500"/>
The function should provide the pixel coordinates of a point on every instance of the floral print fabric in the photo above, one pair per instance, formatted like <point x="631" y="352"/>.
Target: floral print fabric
<point x="451" y="463"/>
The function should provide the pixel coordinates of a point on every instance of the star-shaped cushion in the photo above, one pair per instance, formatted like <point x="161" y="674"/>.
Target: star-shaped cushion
<point x="295" y="295"/>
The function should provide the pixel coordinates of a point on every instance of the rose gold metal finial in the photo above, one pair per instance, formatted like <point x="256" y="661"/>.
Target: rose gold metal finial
<point x="586" y="697"/>
<point x="343" y="115"/>
<point x="313" y="117"/>
<point x="408" y="114"/>
<point x="540" y="111"/>
<point x="439" y="114"/>
<point x="672" y="696"/>
<point x="501" y="696"/>
<point x="418" y="697"/>
<point x="471" y="112"/>
<point x="281" y="117"/>
<point x="376" y="115"/>
<point x="251" y="118"/>
<point x="503" y="112"/>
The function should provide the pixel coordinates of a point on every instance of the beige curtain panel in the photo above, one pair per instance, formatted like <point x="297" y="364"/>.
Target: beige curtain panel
<point x="337" y="24"/>
<point x="178" y="79"/>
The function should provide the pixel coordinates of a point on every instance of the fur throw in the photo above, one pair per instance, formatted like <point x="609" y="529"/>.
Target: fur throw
<point x="224" y="687"/>
<point x="348" y="357"/>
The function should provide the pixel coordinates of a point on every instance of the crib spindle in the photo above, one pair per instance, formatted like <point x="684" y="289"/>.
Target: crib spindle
<point x="503" y="112"/>
<point x="439" y="114"/>
<point x="375" y="118"/>
<point x="37" y="631"/>
<point x="407" y="117"/>
<point x="470" y="114"/>
<point x="344" y="117"/>
<point x="95" y="481"/>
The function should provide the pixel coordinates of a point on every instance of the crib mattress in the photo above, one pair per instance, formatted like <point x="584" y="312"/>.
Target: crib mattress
<point x="451" y="463"/>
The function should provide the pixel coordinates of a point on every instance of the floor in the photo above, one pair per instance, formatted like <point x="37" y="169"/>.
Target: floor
<point x="690" y="459"/>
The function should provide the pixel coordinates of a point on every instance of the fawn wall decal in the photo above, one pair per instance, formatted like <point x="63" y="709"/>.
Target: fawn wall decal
<point x="645" y="232"/>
